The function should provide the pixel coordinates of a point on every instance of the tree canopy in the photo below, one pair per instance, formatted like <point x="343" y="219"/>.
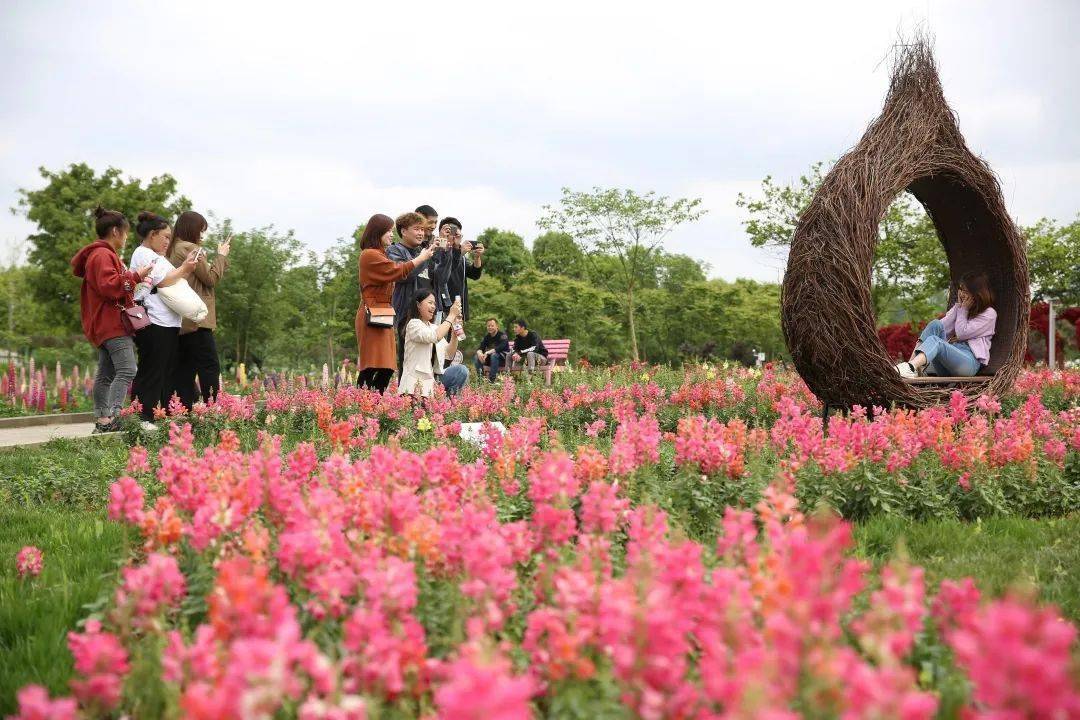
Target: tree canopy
<point x="625" y="228"/>
<point x="62" y="212"/>
<point x="598" y="275"/>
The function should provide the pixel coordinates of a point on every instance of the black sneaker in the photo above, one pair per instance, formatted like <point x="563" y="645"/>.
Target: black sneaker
<point x="112" y="426"/>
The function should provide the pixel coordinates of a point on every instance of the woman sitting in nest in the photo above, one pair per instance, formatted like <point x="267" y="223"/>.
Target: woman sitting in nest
<point x="958" y="345"/>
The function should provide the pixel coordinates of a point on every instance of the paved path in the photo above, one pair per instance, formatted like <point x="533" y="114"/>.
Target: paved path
<point x="35" y="435"/>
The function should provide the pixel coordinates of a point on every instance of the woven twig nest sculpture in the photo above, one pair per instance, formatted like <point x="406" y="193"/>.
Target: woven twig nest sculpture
<point x="827" y="310"/>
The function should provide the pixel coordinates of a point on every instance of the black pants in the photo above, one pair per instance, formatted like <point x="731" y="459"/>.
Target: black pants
<point x="157" y="362"/>
<point x="375" y="378"/>
<point x="197" y="355"/>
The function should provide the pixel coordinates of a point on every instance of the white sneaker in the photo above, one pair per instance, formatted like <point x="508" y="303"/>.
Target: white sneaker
<point x="148" y="427"/>
<point x="906" y="370"/>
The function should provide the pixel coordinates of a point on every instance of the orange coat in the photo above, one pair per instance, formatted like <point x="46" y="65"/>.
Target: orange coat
<point x="378" y="273"/>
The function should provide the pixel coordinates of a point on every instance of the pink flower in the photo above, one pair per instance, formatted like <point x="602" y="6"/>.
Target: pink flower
<point x="29" y="562"/>
<point x="1019" y="660"/>
<point x="149" y="588"/>
<point x="138" y="460"/>
<point x="1055" y="451"/>
<point x="479" y="688"/>
<point x="102" y="661"/>
<point x="126" y="500"/>
<point x="34" y="704"/>
<point x="988" y="404"/>
<point x="601" y="508"/>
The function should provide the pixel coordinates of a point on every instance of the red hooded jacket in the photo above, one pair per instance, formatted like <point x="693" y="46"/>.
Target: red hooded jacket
<point x="106" y="287"/>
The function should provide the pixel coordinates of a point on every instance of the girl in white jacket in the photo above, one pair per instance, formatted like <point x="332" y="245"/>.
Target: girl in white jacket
<point x="426" y="348"/>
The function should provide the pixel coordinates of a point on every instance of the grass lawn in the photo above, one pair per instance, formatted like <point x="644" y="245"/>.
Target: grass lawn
<point x="998" y="553"/>
<point x="64" y="474"/>
<point x="81" y="551"/>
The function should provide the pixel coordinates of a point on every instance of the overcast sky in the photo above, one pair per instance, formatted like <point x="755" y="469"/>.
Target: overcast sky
<point x="314" y="115"/>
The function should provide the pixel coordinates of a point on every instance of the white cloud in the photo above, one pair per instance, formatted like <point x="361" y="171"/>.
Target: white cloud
<point x="314" y="116"/>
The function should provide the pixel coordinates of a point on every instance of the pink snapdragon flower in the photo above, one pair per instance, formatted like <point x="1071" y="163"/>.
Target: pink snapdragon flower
<point x="151" y="587"/>
<point x="102" y="661"/>
<point x="34" y="704"/>
<point x="483" y="687"/>
<point x="29" y="562"/>
<point x="126" y="500"/>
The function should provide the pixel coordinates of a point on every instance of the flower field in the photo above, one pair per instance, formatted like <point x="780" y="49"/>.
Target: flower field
<point x="29" y="390"/>
<point x="635" y="542"/>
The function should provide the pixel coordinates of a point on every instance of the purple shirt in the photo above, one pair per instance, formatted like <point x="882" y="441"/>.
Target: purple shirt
<point x="976" y="331"/>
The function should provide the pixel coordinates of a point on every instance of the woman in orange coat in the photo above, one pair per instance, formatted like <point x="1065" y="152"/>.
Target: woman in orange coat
<point x="378" y="273"/>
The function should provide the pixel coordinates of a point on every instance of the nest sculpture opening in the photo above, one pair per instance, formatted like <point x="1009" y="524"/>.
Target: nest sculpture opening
<point x="827" y="310"/>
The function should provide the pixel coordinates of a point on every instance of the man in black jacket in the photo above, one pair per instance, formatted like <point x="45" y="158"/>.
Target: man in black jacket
<point x="429" y="274"/>
<point x="466" y="260"/>
<point x="528" y="346"/>
<point x="493" y="349"/>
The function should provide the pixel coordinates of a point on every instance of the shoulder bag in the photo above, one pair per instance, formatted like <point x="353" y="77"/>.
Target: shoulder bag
<point x="182" y="300"/>
<point x="380" y="317"/>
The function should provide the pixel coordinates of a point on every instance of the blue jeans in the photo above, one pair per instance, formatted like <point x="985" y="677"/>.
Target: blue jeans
<point x="943" y="358"/>
<point x="493" y="361"/>
<point x="454" y="378"/>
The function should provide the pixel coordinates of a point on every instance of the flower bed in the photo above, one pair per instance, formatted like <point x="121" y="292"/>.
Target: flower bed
<point x="28" y="390"/>
<point x="631" y="545"/>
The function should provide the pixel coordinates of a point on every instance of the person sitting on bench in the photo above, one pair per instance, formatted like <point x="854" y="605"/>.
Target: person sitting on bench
<point x="493" y="348"/>
<point x="958" y="345"/>
<point x="528" y="346"/>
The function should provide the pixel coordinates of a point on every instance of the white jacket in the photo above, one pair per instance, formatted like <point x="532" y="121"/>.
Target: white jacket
<point x="416" y="367"/>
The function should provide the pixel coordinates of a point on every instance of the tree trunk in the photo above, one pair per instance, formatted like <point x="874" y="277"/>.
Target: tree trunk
<point x="630" y="319"/>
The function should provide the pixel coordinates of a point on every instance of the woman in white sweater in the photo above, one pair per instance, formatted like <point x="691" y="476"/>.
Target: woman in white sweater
<point x="157" y="341"/>
<point x="426" y="347"/>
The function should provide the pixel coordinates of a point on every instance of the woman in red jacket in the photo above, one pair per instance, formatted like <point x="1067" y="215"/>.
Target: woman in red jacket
<point x="107" y="286"/>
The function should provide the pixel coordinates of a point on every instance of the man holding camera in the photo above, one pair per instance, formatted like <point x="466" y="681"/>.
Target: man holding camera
<point x="466" y="261"/>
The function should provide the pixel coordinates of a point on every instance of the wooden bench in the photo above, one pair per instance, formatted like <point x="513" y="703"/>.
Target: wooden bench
<point x="558" y="353"/>
<point x="948" y="380"/>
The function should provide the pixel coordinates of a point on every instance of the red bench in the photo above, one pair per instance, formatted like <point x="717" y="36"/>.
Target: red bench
<point x="558" y="353"/>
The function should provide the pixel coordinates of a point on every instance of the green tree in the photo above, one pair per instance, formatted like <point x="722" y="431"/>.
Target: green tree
<point x="711" y="319"/>
<point x="1054" y="260"/>
<point x="625" y="225"/>
<point x="556" y="307"/>
<point x="62" y="212"/>
<point x="910" y="271"/>
<point x="676" y="271"/>
<point x="21" y="314"/>
<point x="557" y="253"/>
<point x="505" y="254"/>
<point x="253" y="306"/>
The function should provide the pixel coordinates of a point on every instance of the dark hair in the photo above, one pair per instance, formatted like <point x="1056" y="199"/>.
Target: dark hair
<point x="413" y="312"/>
<point x="522" y="323"/>
<point x="376" y="227"/>
<point x="427" y="211"/>
<point x="450" y="221"/>
<point x="106" y="220"/>
<point x="977" y="285"/>
<point x="406" y="221"/>
<point x="148" y="223"/>
<point x="189" y="227"/>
